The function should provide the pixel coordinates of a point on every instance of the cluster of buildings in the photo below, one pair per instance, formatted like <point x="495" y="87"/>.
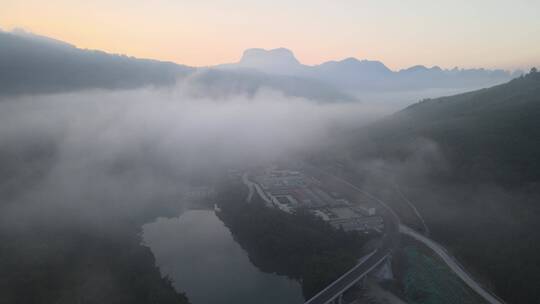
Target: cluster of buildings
<point x="198" y="193"/>
<point x="290" y="190"/>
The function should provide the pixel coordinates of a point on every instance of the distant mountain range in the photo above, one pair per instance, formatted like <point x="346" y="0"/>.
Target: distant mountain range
<point x="33" y="64"/>
<point x="352" y="74"/>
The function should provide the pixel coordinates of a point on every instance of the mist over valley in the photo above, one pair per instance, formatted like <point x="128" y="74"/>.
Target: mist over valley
<point x="266" y="180"/>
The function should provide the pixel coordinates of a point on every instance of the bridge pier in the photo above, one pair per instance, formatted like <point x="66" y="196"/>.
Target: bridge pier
<point x="384" y="271"/>
<point x="356" y="276"/>
<point x="338" y="300"/>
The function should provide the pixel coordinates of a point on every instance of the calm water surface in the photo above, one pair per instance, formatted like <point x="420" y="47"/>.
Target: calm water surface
<point x="198" y="252"/>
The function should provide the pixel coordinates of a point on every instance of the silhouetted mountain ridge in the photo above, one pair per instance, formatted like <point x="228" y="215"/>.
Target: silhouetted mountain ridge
<point x="35" y="64"/>
<point x="280" y="55"/>
<point x="368" y="75"/>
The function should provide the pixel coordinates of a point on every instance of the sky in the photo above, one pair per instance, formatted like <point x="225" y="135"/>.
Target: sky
<point x="463" y="33"/>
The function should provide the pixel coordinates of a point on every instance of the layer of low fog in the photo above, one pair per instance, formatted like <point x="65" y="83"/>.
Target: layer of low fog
<point x="488" y="226"/>
<point x="90" y="154"/>
<point x="83" y="161"/>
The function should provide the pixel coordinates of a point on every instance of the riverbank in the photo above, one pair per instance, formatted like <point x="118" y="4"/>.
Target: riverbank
<point x="298" y="245"/>
<point x="198" y="252"/>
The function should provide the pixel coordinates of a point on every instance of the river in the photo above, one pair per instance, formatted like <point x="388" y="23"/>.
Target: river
<point x="198" y="252"/>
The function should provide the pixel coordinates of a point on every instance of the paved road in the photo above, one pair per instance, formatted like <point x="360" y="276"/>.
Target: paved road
<point x="391" y="218"/>
<point x="452" y="263"/>
<point x="372" y="260"/>
<point x="251" y="185"/>
<point x="334" y="290"/>
<point x="393" y="227"/>
<point x="368" y="262"/>
<point x="413" y="207"/>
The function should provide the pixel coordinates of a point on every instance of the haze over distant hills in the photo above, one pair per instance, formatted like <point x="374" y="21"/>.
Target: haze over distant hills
<point x="366" y="75"/>
<point x="33" y="64"/>
<point x="469" y="162"/>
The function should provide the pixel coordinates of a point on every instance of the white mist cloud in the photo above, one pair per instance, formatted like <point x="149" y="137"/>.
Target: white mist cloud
<point x="119" y="151"/>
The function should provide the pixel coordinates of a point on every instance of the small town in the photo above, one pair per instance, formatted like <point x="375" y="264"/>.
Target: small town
<point x="291" y="190"/>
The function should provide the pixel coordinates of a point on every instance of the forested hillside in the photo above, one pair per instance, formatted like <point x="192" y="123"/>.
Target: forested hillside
<point x="486" y="135"/>
<point x="470" y="163"/>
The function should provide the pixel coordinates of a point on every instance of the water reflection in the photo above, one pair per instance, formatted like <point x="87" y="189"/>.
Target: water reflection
<point x="199" y="253"/>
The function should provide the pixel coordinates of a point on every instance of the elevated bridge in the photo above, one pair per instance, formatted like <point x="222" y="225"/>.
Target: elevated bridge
<point x="333" y="293"/>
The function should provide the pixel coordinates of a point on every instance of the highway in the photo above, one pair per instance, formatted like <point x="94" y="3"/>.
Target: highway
<point x="339" y="286"/>
<point x="414" y="209"/>
<point x="392" y="230"/>
<point x="371" y="261"/>
<point x="396" y="227"/>
<point x="453" y="264"/>
<point x="365" y="264"/>
<point x="250" y="185"/>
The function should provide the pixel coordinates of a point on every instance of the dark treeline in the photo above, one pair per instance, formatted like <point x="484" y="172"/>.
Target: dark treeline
<point x="54" y="250"/>
<point x="299" y="245"/>
<point x="55" y="259"/>
<point x="70" y="265"/>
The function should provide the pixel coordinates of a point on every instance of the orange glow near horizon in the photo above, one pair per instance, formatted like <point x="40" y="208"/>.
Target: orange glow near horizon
<point x="453" y="33"/>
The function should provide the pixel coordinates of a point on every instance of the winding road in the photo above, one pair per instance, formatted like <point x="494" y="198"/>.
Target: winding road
<point x="393" y="229"/>
<point x="251" y="185"/>
<point x="431" y="244"/>
<point x="452" y="263"/>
